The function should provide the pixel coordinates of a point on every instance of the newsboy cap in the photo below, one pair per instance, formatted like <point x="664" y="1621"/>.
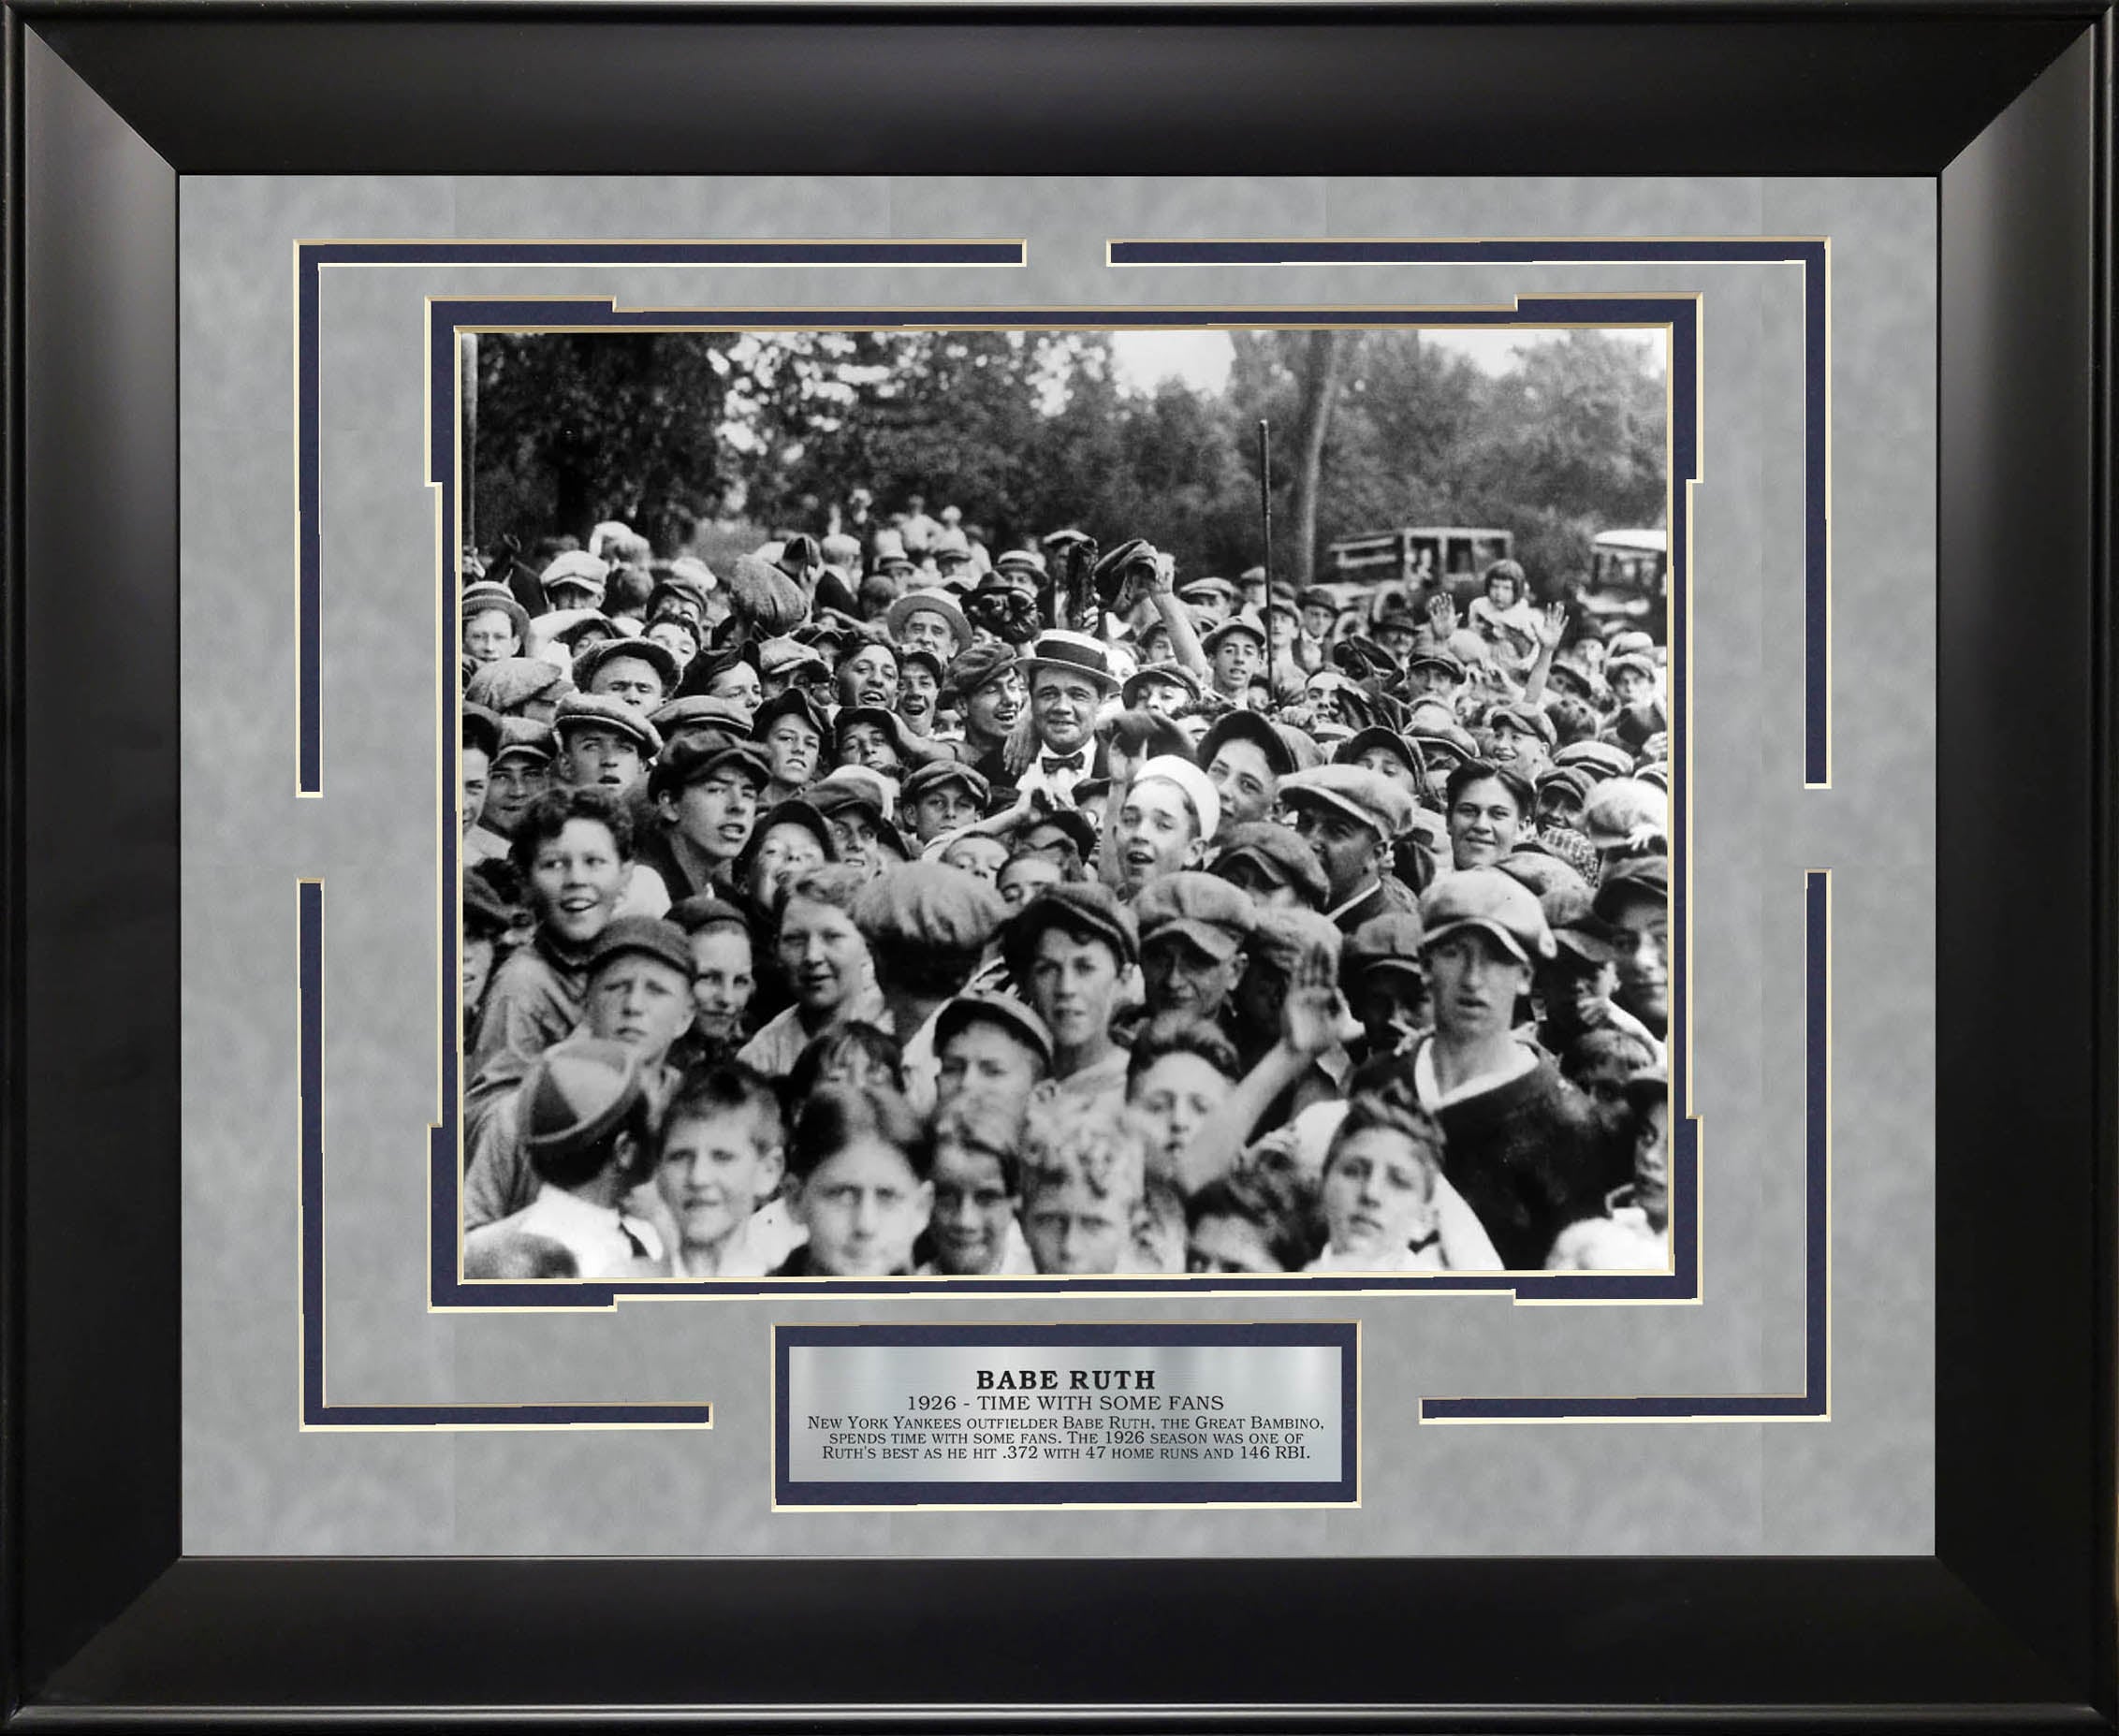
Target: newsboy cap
<point x="513" y="682"/>
<point x="1490" y="901"/>
<point x="1283" y="858"/>
<point x="928" y="905"/>
<point x="578" y="711"/>
<point x="1085" y="908"/>
<point x="1001" y="1011"/>
<point x="1210" y="912"/>
<point x="650" y="935"/>
<point x="1354" y="790"/>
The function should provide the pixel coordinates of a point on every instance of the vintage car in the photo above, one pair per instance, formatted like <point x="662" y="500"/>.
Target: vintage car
<point x="1628" y="574"/>
<point x="1424" y="557"/>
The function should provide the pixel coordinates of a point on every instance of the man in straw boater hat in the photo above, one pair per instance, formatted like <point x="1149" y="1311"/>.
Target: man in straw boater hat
<point x="1070" y="677"/>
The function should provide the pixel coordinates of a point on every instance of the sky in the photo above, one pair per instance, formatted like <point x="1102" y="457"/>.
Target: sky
<point x="1201" y="358"/>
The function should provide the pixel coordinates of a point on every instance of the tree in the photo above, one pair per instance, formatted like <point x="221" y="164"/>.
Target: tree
<point x="1319" y="382"/>
<point x="580" y="427"/>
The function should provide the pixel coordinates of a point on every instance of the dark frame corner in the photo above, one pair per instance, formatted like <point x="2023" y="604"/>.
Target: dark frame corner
<point x="2011" y="1622"/>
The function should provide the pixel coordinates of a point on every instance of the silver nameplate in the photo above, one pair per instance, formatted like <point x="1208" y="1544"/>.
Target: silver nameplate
<point x="1033" y="1415"/>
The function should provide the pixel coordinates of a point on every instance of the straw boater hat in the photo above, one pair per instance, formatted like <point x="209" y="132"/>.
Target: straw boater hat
<point x="1075" y="652"/>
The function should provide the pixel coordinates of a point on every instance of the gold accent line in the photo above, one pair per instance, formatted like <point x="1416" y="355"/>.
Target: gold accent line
<point x="1424" y="241"/>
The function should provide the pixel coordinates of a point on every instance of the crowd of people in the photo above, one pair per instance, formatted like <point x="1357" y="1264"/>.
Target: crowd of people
<point x="886" y="904"/>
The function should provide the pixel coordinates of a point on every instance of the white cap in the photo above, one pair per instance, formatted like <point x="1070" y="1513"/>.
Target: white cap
<point x="1205" y="800"/>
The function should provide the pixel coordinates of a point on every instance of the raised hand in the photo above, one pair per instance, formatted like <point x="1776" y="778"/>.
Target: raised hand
<point x="1442" y="615"/>
<point x="1311" y="1015"/>
<point x="1552" y="625"/>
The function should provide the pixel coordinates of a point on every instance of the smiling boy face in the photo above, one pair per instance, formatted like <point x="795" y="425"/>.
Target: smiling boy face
<point x="575" y="878"/>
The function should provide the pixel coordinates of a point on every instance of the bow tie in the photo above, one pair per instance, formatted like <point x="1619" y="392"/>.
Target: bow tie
<point x="1076" y="761"/>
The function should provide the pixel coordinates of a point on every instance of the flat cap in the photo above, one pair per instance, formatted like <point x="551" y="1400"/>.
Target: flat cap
<point x="1571" y="914"/>
<point x="1285" y="935"/>
<point x="1376" y="739"/>
<point x="650" y="935"/>
<point x="1276" y="855"/>
<point x="601" y="711"/>
<point x="709" y="910"/>
<point x="652" y="652"/>
<point x="1635" y="877"/>
<point x="1600" y="759"/>
<point x="976" y="668"/>
<point x="680" y="596"/>
<point x="1573" y="779"/>
<point x="1544" y="873"/>
<point x="1444" y="744"/>
<point x="1176" y="674"/>
<point x="1245" y="625"/>
<point x="1525" y="720"/>
<point x="851" y="789"/>
<point x="1003" y="1010"/>
<point x="1490" y="901"/>
<point x="1085" y="909"/>
<point x="1392" y="939"/>
<point x="928" y="904"/>
<point x="1208" y="589"/>
<point x="577" y="566"/>
<point x="683" y="763"/>
<point x="1354" y="790"/>
<point x="793" y="702"/>
<point x="701" y="711"/>
<point x="941" y="774"/>
<point x="795" y="812"/>
<point x="513" y="682"/>
<point x="765" y="596"/>
<point x="526" y="736"/>
<point x="910" y="749"/>
<point x="1256" y="728"/>
<point x="785" y="654"/>
<point x="1625" y="813"/>
<point x="1215" y="915"/>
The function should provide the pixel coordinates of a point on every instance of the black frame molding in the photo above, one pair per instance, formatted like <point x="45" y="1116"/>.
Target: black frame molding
<point x="2010" y="107"/>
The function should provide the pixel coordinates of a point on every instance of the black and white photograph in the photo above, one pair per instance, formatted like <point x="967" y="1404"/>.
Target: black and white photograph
<point x="983" y="803"/>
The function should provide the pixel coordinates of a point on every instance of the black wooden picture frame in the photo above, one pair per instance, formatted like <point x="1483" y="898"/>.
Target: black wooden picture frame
<point x="2006" y="106"/>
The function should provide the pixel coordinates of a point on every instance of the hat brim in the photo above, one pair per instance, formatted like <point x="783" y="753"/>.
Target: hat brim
<point x="1339" y="804"/>
<point x="951" y="773"/>
<point x="1257" y="729"/>
<point x="1211" y="937"/>
<point x="963" y="1014"/>
<point x="901" y="611"/>
<point x="1031" y="665"/>
<point x="1388" y="961"/>
<point x="1277" y="872"/>
<point x="1485" y="925"/>
<point x="1585" y="945"/>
